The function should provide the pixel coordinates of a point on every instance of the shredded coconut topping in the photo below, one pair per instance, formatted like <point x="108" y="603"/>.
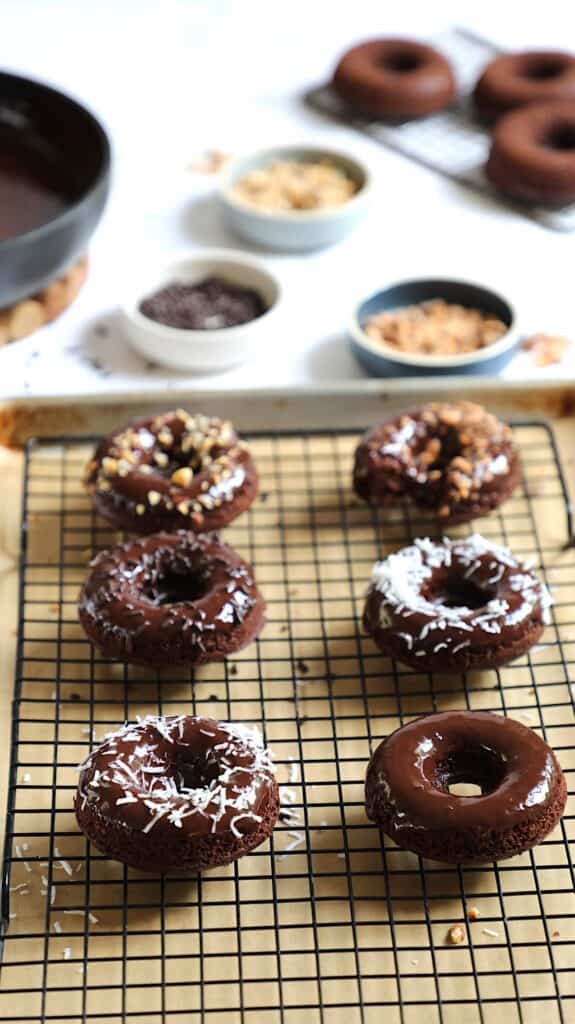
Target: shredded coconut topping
<point x="150" y="765"/>
<point x="404" y="579"/>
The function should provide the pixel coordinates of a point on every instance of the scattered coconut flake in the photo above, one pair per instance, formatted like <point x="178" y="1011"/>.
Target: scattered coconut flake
<point x="295" y="842"/>
<point x="93" y="919"/>
<point x="66" y="953"/>
<point x="294" y="771"/>
<point x="57" y="927"/>
<point x="490" y="932"/>
<point x="20" y="888"/>
<point x="26" y="777"/>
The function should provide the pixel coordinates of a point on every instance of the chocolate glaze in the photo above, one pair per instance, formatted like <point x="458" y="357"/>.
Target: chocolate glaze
<point x="408" y="779"/>
<point x="455" y="605"/>
<point x="532" y="153"/>
<point x="131" y="475"/>
<point x="170" y="599"/>
<point x="451" y="458"/>
<point x="178" y="792"/>
<point x="394" y="79"/>
<point x="516" y="79"/>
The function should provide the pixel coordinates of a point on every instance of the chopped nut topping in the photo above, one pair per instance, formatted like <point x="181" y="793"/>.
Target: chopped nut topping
<point x="295" y="185"/>
<point x="456" y="935"/>
<point x="473" y="914"/>
<point x="183" y="476"/>
<point x="546" y="349"/>
<point x="161" y="459"/>
<point x="109" y="465"/>
<point x="154" y="497"/>
<point x="140" y="509"/>
<point x="435" y="327"/>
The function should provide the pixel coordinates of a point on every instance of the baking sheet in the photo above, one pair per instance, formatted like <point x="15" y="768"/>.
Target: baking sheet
<point x="329" y="922"/>
<point x="453" y="142"/>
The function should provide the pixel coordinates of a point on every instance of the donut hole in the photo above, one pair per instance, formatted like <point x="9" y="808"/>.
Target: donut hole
<point x="177" y="588"/>
<point x="543" y="70"/>
<point x="198" y="772"/>
<point x="401" y="62"/>
<point x="456" y="592"/>
<point x="470" y="771"/>
<point x="561" y="137"/>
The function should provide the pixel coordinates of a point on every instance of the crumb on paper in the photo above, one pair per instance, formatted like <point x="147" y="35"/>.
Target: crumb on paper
<point x="546" y="349"/>
<point x="456" y="935"/>
<point x="473" y="913"/>
<point x="555" y="935"/>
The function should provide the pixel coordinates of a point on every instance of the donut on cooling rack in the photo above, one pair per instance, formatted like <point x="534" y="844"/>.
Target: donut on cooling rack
<point x="170" y="599"/>
<point x="532" y="156"/>
<point x="394" y="80"/>
<point x="516" y="79"/>
<point x="169" y="472"/>
<point x="455" y="605"/>
<point x="523" y="790"/>
<point x="178" y="793"/>
<point x="453" y="459"/>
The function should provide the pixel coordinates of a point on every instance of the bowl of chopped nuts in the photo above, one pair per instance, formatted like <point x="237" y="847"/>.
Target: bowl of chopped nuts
<point x="294" y="198"/>
<point x="207" y="312"/>
<point x="433" y="326"/>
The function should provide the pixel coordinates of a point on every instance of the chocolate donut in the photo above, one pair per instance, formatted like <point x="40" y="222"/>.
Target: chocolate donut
<point x="516" y="79"/>
<point x="532" y="156"/>
<point x="394" y="80"/>
<point x="170" y="599"/>
<point x="455" y="605"/>
<point x="407" y="791"/>
<point x="451" y="458"/>
<point x="170" y="472"/>
<point x="178" y="793"/>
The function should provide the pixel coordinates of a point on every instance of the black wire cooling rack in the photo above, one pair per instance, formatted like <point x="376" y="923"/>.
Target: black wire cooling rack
<point x="329" y="922"/>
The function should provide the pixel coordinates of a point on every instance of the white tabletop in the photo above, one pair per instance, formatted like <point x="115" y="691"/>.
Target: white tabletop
<point x="170" y="79"/>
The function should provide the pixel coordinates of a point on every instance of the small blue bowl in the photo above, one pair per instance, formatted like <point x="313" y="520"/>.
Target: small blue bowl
<point x="383" y="362"/>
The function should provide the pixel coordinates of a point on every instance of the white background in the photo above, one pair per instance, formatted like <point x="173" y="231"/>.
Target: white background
<point x="172" y="77"/>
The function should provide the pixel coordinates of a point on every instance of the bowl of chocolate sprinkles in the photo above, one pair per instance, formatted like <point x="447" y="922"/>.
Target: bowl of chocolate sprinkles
<point x="207" y="312"/>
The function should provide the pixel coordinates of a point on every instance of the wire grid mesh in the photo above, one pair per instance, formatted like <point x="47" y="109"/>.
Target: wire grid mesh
<point x="452" y="142"/>
<point x="329" y="922"/>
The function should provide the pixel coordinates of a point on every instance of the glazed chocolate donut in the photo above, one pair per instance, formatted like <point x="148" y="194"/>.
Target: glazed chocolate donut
<point x="451" y="458"/>
<point x="394" y="80"/>
<point x="532" y="156"/>
<point x="170" y="599"/>
<point x="523" y="790"/>
<point x="170" y="472"/>
<point x="455" y="605"/>
<point x="180" y="793"/>
<point x="516" y="79"/>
